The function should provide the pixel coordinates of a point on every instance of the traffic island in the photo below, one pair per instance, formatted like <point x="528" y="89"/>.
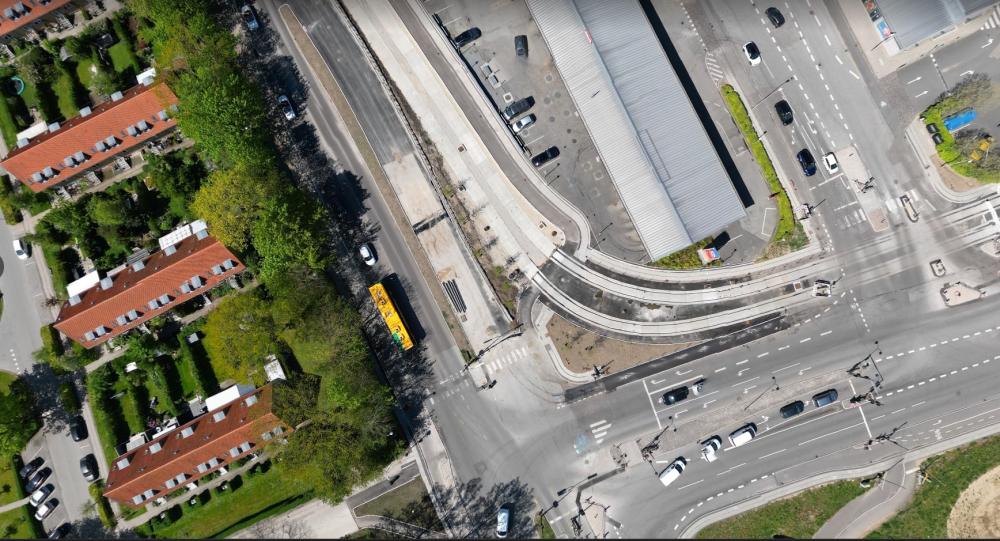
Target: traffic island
<point x="960" y="293"/>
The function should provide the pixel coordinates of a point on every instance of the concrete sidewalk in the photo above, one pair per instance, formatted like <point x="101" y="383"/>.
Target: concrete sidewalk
<point x="868" y="511"/>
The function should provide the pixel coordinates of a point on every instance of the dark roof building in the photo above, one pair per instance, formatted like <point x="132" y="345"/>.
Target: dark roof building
<point x="85" y="142"/>
<point x="189" y="263"/>
<point x="178" y="457"/>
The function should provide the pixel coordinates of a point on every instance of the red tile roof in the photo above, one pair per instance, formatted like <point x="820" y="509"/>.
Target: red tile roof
<point x="162" y="274"/>
<point x="179" y="454"/>
<point x="83" y="133"/>
<point x="35" y="11"/>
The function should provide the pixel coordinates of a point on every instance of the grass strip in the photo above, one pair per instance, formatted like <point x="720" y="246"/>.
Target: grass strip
<point x="799" y="516"/>
<point x="948" y="474"/>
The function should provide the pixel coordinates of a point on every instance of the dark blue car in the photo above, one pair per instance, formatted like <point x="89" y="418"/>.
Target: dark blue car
<point x="807" y="162"/>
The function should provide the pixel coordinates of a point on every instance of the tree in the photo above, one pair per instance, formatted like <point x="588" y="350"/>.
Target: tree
<point x="71" y="218"/>
<point x="232" y="200"/>
<point x="36" y="66"/>
<point x="291" y="230"/>
<point x="295" y="400"/>
<point x="239" y="333"/>
<point x="106" y="209"/>
<point x="18" y="417"/>
<point x="103" y="81"/>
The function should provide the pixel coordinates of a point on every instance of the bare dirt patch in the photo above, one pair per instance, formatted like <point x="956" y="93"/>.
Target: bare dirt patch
<point x="976" y="514"/>
<point x="952" y="179"/>
<point x="581" y="350"/>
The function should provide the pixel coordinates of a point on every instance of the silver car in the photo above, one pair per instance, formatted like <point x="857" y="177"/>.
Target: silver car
<point x="286" y="107"/>
<point x="38" y="496"/>
<point x="523" y="123"/>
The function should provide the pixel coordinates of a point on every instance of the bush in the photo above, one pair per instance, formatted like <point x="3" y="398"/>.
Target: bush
<point x="69" y="398"/>
<point x="11" y="214"/>
<point x="103" y="507"/>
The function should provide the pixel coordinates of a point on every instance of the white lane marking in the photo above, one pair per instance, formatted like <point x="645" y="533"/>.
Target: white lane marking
<point x="841" y="62"/>
<point x="744" y="361"/>
<point x="652" y="406"/>
<point x="914" y="80"/>
<point x="861" y="410"/>
<point x="825" y="333"/>
<point x="772" y="454"/>
<point x="830" y="434"/>
<point x="598" y="423"/>
<point x="747" y="381"/>
<point x="782" y="348"/>
<point x="690" y="485"/>
<point x="856" y="76"/>
<point x="827" y="38"/>
<point x="765" y="354"/>
<point x="785" y="368"/>
<point x="804" y="340"/>
<point x="717" y="370"/>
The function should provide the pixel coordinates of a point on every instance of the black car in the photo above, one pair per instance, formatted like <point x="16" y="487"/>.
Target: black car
<point x="88" y="468"/>
<point x="674" y="396"/>
<point x="825" y="398"/>
<point x="549" y="154"/>
<point x="467" y="37"/>
<point x="31" y="467"/>
<point x="521" y="45"/>
<point x="37" y="479"/>
<point x="775" y="16"/>
<point x="807" y="162"/>
<point x="59" y="531"/>
<point x="518" y="107"/>
<point x="793" y="409"/>
<point x="784" y="112"/>
<point x="78" y="428"/>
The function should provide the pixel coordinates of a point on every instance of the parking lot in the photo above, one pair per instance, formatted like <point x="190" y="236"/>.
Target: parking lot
<point x="577" y="173"/>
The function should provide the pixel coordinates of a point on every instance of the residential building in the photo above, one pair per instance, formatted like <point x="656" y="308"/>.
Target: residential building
<point x="177" y="458"/>
<point x="63" y="152"/>
<point x="18" y="17"/>
<point x="188" y="263"/>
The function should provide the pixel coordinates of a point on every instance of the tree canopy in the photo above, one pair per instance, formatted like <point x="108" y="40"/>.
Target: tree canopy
<point x="239" y="334"/>
<point x="18" y="418"/>
<point x="232" y="200"/>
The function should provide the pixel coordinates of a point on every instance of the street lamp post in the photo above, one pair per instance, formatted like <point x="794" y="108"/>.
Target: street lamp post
<point x="788" y="80"/>
<point x="891" y="34"/>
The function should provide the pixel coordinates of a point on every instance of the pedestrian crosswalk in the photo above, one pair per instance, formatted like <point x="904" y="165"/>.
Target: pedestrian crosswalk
<point x="713" y="67"/>
<point x="994" y="19"/>
<point x="600" y="430"/>
<point x="506" y="360"/>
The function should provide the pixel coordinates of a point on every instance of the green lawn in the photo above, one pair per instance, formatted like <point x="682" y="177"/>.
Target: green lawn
<point x="17" y="523"/>
<point x="408" y="503"/>
<point x="6" y="378"/>
<point x="123" y="58"/>
<point x="686" y="258"/>
<point x="798" y="517"/>
<point x="8" y="126"/>
<point x="926" y="516"/>
<point x="260" y="496"/>
<point x="83" y="71"/>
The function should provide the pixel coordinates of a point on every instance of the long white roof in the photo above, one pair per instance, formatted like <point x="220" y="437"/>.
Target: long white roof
<point x="660" y="159"/>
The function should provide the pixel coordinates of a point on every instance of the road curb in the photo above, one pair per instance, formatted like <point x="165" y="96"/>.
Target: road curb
<point x="540" y="319"/>
<point x="931" y="172"/>
<point x="789" y="489"/>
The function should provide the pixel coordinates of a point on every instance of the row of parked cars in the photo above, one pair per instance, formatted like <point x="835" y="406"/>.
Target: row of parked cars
<point x="711" y="447"/>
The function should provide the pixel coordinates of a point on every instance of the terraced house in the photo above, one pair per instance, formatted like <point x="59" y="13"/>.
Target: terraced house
<point x="19" y="17"/>
<point x="85" y="143"/>
<point x="101" y="306"/>
<point x="238" y="421"/>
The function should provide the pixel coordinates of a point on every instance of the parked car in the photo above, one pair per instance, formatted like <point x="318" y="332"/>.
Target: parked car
<point x="46" y="509"/>
<point x="31" y="467"/>
<point x="78" y="428"/>
<point x="518" y="107"/>
<point x="286" y="107"/>
<point x="523" y="123"/>
<point x="784" y="112"/>
<point x="775" y="16"/>
<point x="38" y="496"/>
<point x="249" y="17"/>
<point x="743" y="435"/>
<point x="822" y="288"/>
<point x="521" y="46"/>
<point x="673" y="471"/>
<point x="467" y="37"/>
<point x="88" y="468"/>
<point x="367" y="254"/>
<point x="59" y="531"/>
<point x="807" y="162"/>
<point x="37" y="479"/>
<point x="753" y="53"/>
<point x="503" y="522"/>
<point x="710" y="448"/>
<point x="542" y="158"/>
<point x="20" y="249"/>
<point x="793" y="409"/>
<point x="825" y="398"/>
<point x="674" y="396"/>
<point x="831" y="163"/>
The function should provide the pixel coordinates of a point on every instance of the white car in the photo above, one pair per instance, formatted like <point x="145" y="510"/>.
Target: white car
<point x="46" y="509"/>
<point x="523" y="122"/>
<point x="830" y="162"/>
<point x="367" y="254"/>
<point x="753" y="53"/>
<point x="38" y="496"/>
<point x="710" y="448"/>
<point x="286" y="107"/>
<point x="673" y="471"/>
<point x="503" y="521"/>
<point x="743" y="435"/>
<point x="20" y="250"/>
<point x="822" y="288"/>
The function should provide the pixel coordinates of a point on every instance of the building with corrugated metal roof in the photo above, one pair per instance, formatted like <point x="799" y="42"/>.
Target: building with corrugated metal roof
<point x="645" y="129"/>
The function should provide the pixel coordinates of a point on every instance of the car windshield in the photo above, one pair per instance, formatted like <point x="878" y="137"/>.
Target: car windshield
<point x="752" y="49"/>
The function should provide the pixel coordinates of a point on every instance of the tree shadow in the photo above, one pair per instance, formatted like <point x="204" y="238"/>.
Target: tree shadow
<point x="471" y="508"/>
<point x="44" y="384"/>
<point x="92" y="528"/>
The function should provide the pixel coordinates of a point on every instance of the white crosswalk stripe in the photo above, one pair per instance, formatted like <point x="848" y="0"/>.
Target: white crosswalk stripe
<point x="993" y="21"/>
<point x="600" y="430"/>
<point x="714" y="70"/>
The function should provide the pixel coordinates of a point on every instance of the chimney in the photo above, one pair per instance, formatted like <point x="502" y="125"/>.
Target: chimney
<point x="106" y="283"/>
<point x="74" y="300"/>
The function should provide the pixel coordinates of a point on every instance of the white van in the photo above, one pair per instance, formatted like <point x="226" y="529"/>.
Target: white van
<point x="673" y="471"/>
<point x="743" y="435"/>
